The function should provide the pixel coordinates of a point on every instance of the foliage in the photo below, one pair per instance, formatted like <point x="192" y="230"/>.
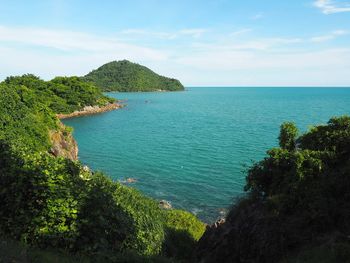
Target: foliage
<point x="183" y="230"/>
<point x="62" y="94"/>
<point x="127" y="76"/>
<point x="76" y="93"/>
<point x="296" y="196"/>
<point x="14" y="251"/>
<point x="114" y="217"/>
<point x="288" y="135"/>
<point x="55" y="203"/>
<point x="148" y="233"/>
<point x="22" y="119"/>
<point x="39" y="197"/>
<point x="184" y="221"/>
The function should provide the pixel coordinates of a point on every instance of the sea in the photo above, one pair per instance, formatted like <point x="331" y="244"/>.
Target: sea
<point x="193" y="148"/>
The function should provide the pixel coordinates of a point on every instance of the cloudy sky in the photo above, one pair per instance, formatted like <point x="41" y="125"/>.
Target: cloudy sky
<point x="200" y="42"/>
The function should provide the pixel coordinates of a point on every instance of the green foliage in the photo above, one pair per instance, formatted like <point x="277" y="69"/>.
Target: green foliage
<point x="148" y="234"/>
<point x="288" y="135"/>
<point x="54" y="203"/>
<point x="39" y="197"/>
<point x="126" y="76"/>
<point x="184" y="221"/>
<point x="22" y="119"/>
<point x="14" y="251"/>
<point x="103" y="225"/>
<point x="296" y="195"/>
<point x="183" y="230"/>
<point x="62" y="94"/>
<point x="76" y="94"/>
<point x="114" y="217"/>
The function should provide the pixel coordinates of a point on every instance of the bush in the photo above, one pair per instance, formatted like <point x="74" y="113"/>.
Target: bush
<point x="147" y="220"/>
<point x="113" y="217"/>
<point x="61" y="94"/>
<point x="298" y="202"/>
<point x="183" y="230"/>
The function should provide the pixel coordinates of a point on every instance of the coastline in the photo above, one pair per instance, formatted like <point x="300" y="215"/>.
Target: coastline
<point x="90" y="110"/>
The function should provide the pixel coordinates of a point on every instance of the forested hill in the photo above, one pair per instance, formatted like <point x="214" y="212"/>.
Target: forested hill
<point x="127" y="76"/>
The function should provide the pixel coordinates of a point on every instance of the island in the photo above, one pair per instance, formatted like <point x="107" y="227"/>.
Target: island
<point x="125" y="76"/>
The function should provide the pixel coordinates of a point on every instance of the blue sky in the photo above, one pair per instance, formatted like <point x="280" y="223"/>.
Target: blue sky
<point x="202" y="43"/>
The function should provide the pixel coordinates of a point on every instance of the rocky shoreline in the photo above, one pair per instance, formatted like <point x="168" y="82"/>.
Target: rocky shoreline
<point x="89" y="110"/>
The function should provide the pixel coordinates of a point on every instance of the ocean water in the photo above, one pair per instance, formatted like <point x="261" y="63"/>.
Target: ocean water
<point x="192" y="148"/>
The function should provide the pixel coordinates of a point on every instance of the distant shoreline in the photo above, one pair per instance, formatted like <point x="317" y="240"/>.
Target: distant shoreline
<point x="91" y="110"/>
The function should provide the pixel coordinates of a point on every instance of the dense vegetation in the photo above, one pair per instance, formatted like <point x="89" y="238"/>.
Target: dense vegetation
<point x="127" y="76"/>
<point x="298" y="203"/>
<point x="61" y="94"/>
<point x="49" y="202"/>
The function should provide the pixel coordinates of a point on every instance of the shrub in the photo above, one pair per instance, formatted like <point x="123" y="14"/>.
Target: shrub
<point x="183" y="230"/>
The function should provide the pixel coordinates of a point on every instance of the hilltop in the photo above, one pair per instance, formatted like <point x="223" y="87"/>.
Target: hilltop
<point x="127" y="76"/>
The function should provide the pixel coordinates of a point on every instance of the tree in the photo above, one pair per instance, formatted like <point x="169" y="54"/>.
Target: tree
<point x="288" y="135"/>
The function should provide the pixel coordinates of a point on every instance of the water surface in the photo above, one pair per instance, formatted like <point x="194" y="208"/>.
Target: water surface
<point x="191" y="147"/>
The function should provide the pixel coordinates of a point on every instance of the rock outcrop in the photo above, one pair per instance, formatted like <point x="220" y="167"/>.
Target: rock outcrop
<point x="164" y="204"/>
<point x="63" y="144"/>
<point x="89" y="110"/>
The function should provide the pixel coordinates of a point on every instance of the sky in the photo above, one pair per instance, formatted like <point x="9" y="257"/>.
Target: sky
<point x="199" y="42"/>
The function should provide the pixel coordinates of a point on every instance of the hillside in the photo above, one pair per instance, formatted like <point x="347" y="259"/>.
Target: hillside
<point x="52" y="205"/>
<point x="127" y="76"/>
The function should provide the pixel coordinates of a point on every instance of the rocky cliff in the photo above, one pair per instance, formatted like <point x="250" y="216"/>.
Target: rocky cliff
<point x="63" y="143"/>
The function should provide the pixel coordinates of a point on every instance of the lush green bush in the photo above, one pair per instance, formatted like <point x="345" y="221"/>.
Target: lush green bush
<point x="53" y="202"/>
<point x="184" y="221"/>
<point x="115" y="217"/>
<point x="62" y="94"/>
<point x="126" y="76"/>
<point x="288" y="135"/>
<point x="298" y="195"/>
<point x="76" y="93"/>
<point x="22" y="119"/>
<point x="39" y="197"/>
<point x="148" y="234"/>
<point x="183" y="230"/>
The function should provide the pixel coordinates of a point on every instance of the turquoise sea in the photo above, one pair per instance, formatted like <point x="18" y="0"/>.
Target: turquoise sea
<point x="192" y="148"/>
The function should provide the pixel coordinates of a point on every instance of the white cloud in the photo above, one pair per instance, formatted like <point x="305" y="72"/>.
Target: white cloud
<point x="257" y="16"/>
<point x="212" y="60"/>
<point x="330" y="36"/>
<point x="257" y="44"/>
<point x="194" y="32"/>
<point x="249" y="68"/>
<point x="331" y="7"/>
<point x="74" y="41"/>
